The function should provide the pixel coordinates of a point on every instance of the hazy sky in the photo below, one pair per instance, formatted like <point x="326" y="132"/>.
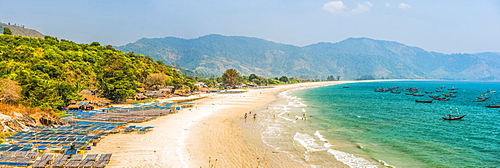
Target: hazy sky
<point x="448" y="26"/>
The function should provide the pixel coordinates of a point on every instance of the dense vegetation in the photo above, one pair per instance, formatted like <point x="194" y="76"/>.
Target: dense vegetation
<point x="50" y="72"/>
<point x="232" y="78"/>
<point x="349" y="59"/>
<point x="7" y="31"/>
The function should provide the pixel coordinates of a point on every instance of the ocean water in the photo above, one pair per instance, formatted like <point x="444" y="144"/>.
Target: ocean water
<point x="363" y="128"/>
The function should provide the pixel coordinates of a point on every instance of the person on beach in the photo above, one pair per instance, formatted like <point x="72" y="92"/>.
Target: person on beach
<point x="274" y="116"/>
<point x="254" y="116"/>
<point x="245" y="115"/>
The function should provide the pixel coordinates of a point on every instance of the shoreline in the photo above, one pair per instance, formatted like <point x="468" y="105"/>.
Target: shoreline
<point x="212" y="133"/>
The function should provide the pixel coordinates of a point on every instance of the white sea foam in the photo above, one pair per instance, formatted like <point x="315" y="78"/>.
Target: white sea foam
<point x="296" y="103"/>
<point x="320" y="137"/>
<point x="350" y="160"/>
<point x="312" y="145"/>
<point x="285" y="108"/>
<point x="274" y="133"/>
<point x="286" y="118"/>
<point x="308" y="142"/>
<point x="317" y="134"/>
<point x="385" y="164"/>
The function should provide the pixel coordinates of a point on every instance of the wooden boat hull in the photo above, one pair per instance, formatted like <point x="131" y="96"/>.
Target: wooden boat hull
<point x="422" y="101"/>
<point x="454" y="118"/>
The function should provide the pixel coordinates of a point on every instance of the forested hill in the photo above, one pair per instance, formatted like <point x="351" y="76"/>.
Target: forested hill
<point x="20" y="30"/>
<point x="51" y="72"/>
<point x="349" y="59"/>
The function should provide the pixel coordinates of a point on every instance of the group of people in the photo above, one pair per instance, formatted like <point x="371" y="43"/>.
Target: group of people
<point x="274" y="116"/>
<point x="254" y="115"/>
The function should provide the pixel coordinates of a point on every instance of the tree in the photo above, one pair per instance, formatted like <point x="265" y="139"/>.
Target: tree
<point x="158" y="79"/>
<point x="95" y="44"/>
<point x="7" y="31"/>
<point x="231" y="77"/>
<point x="330" y="78"/>
<point x="252" y="77"/>
<point x="10" y="92"/>
<point x="50" y="72"/>
<point x="160" y="62"/>
<point x="366" y="77"/>
<point x="284" y="79"/>
<point x="118" y="80"/>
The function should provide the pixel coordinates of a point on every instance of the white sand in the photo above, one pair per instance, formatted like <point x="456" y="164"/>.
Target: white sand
<point x="196" y="136"/>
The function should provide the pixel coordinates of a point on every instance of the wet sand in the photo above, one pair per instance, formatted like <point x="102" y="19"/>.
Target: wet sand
<point x="208" y="134"/>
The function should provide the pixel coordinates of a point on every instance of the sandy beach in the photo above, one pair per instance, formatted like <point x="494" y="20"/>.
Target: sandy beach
<point x="209" y="134"/>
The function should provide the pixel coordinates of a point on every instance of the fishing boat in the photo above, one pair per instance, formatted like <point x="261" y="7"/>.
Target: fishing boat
<point x="423" y="101"/>
<point x="439" y="98"/>
<point x="434" y="96"/>
<point x="449" y="95"/>
<point x="493" y="106"/>
<point x="451" y="117"/>
<point x="492" y="91"/>
<point x="395" y="91"/>
<point x="455" y="116"/>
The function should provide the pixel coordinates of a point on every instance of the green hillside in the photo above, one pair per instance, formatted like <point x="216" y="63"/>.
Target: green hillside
<point x="350" y="59"/>
<point x="51" y="72"/>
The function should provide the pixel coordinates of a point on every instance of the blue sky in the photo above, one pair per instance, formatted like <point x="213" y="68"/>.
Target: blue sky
<point x="447" y="26"/>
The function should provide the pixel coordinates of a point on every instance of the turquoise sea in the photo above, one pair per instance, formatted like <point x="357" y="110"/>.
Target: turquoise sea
<point x="364" y="128"/>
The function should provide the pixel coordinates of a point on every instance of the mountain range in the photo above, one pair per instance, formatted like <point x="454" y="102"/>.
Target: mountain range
<point x="349" y="59"/>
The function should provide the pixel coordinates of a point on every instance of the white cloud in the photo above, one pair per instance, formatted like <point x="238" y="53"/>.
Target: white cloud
<point x="387" y="4"/>
<point x="334" y="6"/>
<point x="404" y="6"/>
<point x="339" y="7"/>
<point x="363" y="7"/>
